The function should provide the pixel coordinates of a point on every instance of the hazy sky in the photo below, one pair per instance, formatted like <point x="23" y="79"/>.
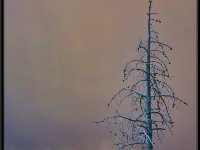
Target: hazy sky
<point x="64" y="61"/>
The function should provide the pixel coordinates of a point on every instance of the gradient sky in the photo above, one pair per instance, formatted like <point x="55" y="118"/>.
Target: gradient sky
<point x="64" y="61"/>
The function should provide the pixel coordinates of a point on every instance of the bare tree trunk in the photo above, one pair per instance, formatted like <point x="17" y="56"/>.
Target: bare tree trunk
<point x="148" y="86"/>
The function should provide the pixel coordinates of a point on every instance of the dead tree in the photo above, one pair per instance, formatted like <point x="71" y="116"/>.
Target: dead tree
<point x="143" y="106"/>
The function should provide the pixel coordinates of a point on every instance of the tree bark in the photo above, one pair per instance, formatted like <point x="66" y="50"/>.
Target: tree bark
<point x="148" y="87"/>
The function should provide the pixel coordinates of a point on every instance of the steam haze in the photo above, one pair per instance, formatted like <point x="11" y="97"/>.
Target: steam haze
<point x="64" y="61"/>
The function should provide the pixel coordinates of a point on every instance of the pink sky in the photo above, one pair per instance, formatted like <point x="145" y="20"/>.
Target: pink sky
<point x="64" y="61"/>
